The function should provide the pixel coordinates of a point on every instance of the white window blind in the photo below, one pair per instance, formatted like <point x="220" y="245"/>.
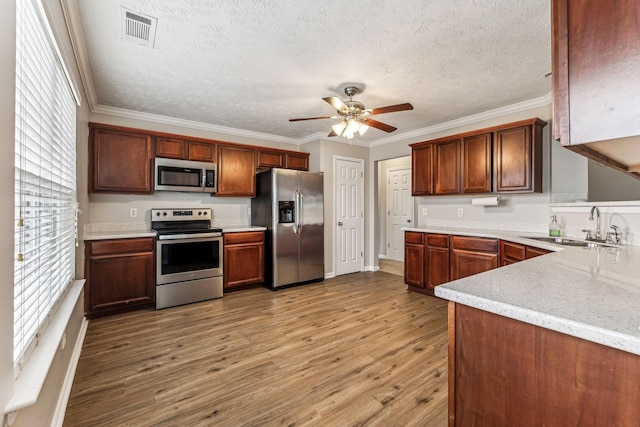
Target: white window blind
<point x="45" y="180"/>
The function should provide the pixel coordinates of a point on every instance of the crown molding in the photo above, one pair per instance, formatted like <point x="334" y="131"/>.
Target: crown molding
<point x="78" y="43"/>
<point x="469" y="120"/>
<point x="155" y="118"/>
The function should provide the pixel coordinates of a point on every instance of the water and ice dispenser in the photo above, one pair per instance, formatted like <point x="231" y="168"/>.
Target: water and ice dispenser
<point x="286" y="212"/>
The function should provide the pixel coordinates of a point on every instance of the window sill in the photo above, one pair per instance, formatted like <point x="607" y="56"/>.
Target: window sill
<point x="27" y="386"/>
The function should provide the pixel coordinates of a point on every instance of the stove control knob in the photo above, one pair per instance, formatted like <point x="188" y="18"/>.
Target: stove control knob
<point x="157" y="213"/>
<point x="199" y="213"/>
<point x="164" y="214"/>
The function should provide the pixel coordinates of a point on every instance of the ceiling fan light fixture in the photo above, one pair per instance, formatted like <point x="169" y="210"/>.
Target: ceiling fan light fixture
<point x="363" y="129"/>
<point x="339" y="127"/>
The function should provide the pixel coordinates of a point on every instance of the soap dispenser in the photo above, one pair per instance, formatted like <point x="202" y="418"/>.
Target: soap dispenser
<point x="554" y="227"/>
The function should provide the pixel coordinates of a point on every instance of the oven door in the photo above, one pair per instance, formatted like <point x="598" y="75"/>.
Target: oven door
<point x="191" y="258"/>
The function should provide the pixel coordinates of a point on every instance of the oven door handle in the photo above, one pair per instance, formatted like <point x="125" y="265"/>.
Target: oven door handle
<point x="192" y="237"/>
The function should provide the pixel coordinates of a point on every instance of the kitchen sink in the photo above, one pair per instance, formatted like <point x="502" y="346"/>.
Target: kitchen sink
<point x="564" y="242"/>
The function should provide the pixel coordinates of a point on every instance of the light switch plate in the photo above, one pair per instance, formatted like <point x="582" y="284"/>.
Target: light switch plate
<point x="424" y="211"/>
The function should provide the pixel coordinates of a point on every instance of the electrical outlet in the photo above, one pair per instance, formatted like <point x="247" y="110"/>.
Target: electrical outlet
<point x="133" y="212"/>
<point x="424" y="211"/>
<point x="460" y="212"/>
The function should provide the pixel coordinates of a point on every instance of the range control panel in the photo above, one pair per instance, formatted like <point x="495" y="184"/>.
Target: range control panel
<point x="180" y="214"/>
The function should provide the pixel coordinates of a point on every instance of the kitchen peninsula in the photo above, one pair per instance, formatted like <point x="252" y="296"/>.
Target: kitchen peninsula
<point x="554" y="340"/>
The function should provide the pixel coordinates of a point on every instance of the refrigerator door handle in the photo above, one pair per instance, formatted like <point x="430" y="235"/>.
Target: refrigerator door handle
<point x="297" y="228"/>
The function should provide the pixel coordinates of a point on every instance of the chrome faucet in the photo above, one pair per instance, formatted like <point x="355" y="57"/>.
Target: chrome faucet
<point x="597" y="211"/>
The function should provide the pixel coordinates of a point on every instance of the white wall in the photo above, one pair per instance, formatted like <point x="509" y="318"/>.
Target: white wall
<point x="606" y="184"/>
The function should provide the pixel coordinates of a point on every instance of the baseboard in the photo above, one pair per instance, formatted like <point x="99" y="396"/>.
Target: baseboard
<point x="371" y="268"/>
<point x="330" y="275"/>
<point x="65" y="392"/>
<point x="381" y="256"/>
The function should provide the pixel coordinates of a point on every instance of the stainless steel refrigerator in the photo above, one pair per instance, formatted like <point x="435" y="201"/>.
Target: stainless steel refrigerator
<point x="290" y="204"/>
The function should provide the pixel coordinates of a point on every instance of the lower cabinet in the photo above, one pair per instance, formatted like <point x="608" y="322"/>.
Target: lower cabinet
<point x="243" y="260"/>
<point x="426" y="260"/>
<point x="431" y="259"/>
<point x="472" y="255"/>
<point x="120" y="275"/>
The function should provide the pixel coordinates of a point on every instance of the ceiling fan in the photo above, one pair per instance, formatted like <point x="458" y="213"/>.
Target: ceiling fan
<point x="355" y="118"/>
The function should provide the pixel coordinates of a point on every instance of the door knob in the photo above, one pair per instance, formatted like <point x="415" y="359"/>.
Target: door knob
<point x="408" y="220"/>
<point x="340" y="224"/>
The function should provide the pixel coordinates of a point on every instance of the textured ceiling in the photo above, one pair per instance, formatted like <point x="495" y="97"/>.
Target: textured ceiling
<point x="252" y="65"/>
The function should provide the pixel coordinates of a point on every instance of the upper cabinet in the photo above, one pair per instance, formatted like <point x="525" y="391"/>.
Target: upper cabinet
<point x="186" y="150"/>
<point x="596" y="58"/>
<point x="505" y="158"/>
<point x="119" y="160"/>
<point x="236" y="171"/>
<point x="267" y="159"/>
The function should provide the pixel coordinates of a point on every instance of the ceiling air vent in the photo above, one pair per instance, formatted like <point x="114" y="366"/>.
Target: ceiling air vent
<point x="139" y="28"/>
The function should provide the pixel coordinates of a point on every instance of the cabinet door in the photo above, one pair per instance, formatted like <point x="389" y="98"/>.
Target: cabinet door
<point x="437" y="266"/>
<point x="236" y="171"/>
<point x="270" y="159"/>
<point x="120" y="275"/>
<point x="119" y="161"/>
<point x="414" y="259"/>
<point x="513" y="164"/>
<point x="297" y="161"/>
<point x="446" y="167"/>
<point x="465" y="263"/>
<point x="511" y="253"/>
<point x="201" y="151"/>
<point x="243" y="265"/>
<point x="476" y="163"/>
<point x="171" y="148"/>
<point x="596" y="58"/>
<point x="532" y="252"/>
<point x="422" y="170"/>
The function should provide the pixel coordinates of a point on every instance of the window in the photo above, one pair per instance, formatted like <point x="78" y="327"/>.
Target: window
<point x="45" y="178"/>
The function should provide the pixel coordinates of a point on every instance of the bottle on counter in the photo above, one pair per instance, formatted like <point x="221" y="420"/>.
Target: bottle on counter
<point x="554" y="227"/>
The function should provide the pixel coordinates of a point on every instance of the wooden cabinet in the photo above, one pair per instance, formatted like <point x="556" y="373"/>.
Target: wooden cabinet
<point x="505" y="372"/>
<point x="596" y="58"/>
<point x="270" y="159"/>
<point x="426" y="260"/>
<point x="236" y="171"/>
<point x="422" y="170"/>
<point x="472" y="255"/>
<point x="511" y="252"/>
<point x="243" y="260"/>
<point x="437" y="262"/>
<point x="267" y="159"/>
<point x="120" y="275"/>
<point x="119" y="160"/>
<point x="476" y="163"/>
<point x="505" y="158"/>
<point x="518" y="158"/>
<point x="186" y="150"/>
<point x="414" y="259"/>
<point x="446" y="167"/>
<point x="298" y="161"/>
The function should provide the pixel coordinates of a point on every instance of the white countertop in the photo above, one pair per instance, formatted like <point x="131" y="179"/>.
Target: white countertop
<point x="241" y="228"/>
<point x="589" y="293"/>
<point x="118" y="234"/>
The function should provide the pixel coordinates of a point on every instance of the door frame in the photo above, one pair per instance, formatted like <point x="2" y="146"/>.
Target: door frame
<point x="387" y="208"/>
<point x="334" y="229"/>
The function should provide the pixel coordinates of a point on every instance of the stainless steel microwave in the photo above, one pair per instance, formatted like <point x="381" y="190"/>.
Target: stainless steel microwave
<point x="185" y="175"/>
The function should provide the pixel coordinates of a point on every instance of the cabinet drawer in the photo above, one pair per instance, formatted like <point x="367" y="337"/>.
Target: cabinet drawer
<point x="513" y="251"/>
<point x="119" y="246"/>
<point x="413" y="237"/>
<point x="244" y="237"/>
<point x="474" y="243"/>
<point x="438" y="240"/>
<point x="532" y="252"/>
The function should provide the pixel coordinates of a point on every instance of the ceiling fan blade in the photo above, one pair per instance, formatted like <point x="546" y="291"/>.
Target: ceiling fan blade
<point x="391" y="108"/>
<point x="310" y="118"/>
<point x="335" y="102"/>
<point x="376" y="124"/>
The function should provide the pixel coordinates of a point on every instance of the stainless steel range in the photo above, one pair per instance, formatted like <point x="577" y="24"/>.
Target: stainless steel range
<point x="188" y="256"/>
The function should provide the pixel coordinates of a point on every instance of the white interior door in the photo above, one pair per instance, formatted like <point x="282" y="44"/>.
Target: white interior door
<point x="399" y="210"/>
<point x="349" y="218"/>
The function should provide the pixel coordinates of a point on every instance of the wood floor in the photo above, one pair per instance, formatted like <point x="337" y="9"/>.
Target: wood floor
<point x="357" y="350"/>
